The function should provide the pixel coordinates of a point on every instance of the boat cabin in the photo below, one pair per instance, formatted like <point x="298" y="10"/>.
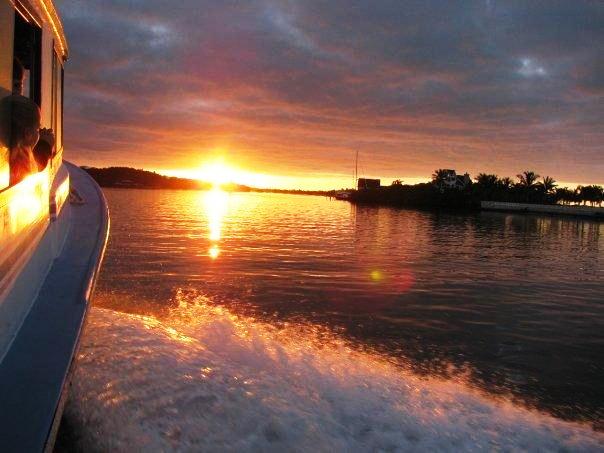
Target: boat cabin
<point x="33" y="52"/>
<point x="34" y="45"/>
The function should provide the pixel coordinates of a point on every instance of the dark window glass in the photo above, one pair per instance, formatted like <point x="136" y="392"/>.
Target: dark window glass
<point x="28" y="50"/>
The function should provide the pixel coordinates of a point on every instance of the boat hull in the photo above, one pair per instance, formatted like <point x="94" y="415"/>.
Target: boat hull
<point x="37" y="362"/>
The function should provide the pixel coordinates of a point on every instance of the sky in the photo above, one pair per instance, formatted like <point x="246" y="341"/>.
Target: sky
<point x="285" y="92"/>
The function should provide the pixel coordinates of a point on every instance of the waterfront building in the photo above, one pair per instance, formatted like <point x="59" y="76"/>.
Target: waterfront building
<point x="366" y="183"/>
<point x="451" y="180"/>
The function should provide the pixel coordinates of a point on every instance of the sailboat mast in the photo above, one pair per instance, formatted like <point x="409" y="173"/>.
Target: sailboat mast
<point x="356" y="170"/>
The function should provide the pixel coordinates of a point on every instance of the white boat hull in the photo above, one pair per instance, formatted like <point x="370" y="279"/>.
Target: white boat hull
<point x="47" y="301"/>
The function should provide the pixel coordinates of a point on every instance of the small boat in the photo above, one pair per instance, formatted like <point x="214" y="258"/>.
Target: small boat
<point x="343" y="194"/>
<point x="54" y="226"/>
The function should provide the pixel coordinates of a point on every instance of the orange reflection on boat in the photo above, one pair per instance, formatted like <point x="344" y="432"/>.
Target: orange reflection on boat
<point x="28" y="202"/>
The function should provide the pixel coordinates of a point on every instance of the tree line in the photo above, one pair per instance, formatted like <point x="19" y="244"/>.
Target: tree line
<point x="528" y="188"/>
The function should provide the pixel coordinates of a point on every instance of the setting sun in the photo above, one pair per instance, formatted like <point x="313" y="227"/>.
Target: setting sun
<point x="217" y="173"/>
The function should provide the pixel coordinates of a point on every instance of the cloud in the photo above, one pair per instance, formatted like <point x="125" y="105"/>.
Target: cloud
<point x="292" y="87"/>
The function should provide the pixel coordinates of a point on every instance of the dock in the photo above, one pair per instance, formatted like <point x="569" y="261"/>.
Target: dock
<point x="575" y="210"/>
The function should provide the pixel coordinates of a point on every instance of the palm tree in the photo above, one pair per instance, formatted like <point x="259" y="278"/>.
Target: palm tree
<point x="485" y="185"/>
<point x="506" y="182"/>
<point x="565" y="195"/>
<point x="486" y="181"/>
<point x="579" y="195"/>
<point x="548" y="183"/>
<point x="440" y="178"/>
<point x="439" y="175"/>
<point x="528" y="178"/>
<point x="593" y="194"/>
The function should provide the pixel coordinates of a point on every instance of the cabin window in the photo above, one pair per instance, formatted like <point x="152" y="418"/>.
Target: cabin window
<point x="28" y="51"/>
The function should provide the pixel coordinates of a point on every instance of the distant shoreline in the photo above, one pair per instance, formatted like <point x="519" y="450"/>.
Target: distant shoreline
<point x="423" y="196"/>
<point x="132" y="178"/>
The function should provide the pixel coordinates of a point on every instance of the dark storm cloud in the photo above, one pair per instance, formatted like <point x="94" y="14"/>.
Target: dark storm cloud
<point x="494" y="86"/>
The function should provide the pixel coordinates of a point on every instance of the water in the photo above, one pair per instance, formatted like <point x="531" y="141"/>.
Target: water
<point x="272" y="322"/>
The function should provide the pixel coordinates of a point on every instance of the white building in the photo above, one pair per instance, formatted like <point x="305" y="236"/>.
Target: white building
<point x="451" y="180"/>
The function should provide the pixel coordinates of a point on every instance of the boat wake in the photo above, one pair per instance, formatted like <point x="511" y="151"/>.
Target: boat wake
<point x="204" y="379"/>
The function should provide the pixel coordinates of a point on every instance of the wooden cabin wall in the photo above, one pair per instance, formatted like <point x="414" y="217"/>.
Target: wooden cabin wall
<point x="47" y="55"/>
<point x="7" y="24"/>
<point x="7" y="27"/>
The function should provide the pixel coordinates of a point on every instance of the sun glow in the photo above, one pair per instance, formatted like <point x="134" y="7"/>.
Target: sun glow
<point x="217" y="173"/>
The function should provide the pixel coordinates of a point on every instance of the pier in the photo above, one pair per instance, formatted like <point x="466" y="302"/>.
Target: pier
<point x="584" y="211"/>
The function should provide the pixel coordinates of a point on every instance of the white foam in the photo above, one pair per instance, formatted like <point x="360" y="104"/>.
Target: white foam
<point x="206" y="380"/>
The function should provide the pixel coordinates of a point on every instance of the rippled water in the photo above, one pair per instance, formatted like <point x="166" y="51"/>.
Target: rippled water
<point x="264" y="321"/>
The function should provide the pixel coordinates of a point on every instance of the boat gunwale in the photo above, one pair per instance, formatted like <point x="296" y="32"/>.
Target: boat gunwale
<point x="94" y="266"/>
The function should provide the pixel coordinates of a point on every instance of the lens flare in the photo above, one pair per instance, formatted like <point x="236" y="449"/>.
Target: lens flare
<point x="404" y="281"/>
<point x="377" y="275"/>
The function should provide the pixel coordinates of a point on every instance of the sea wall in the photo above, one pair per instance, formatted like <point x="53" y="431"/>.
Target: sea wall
<point x="588" y="211"/>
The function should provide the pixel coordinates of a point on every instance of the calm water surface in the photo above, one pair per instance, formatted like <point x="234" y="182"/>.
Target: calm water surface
<point x="510" y="304"/>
